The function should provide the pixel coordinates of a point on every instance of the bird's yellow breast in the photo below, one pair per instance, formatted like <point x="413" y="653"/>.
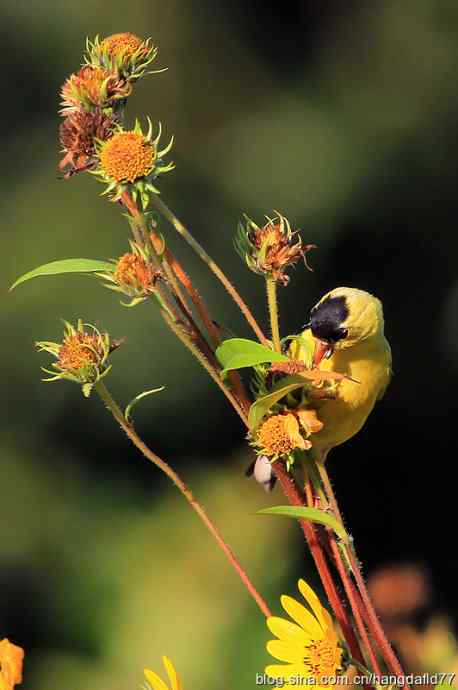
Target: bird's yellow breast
<point x="369" y="363"/>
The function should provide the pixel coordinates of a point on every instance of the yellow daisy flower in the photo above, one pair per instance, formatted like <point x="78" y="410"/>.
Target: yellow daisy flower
<point x="309" y="646"/>
<point x="156" y="683"/>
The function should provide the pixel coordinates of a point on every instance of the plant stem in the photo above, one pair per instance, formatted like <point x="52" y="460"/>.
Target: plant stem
<point x="348" y="587"/>
<point x="200" y="251"/>
<point x="371" y="617"/>
<point x="186" y="340"/>
<point x="209" y="324"/>
<point x="128" y="428"/>
<point x="271" y="287"/>
<point x="291" y="492"/>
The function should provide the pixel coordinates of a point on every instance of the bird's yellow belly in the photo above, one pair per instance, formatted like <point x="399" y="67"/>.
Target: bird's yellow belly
<point x="344" y="416"/>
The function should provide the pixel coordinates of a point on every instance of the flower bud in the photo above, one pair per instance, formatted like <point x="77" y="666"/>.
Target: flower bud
<point x="93" y="87"/>
<point x="81" y="356"/>
<point x="125" y="53"/>
<point x="133" y="275"/>
<point x="271" y="249"/>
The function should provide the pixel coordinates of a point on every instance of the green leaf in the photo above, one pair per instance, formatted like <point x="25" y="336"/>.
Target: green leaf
<point x="131" y="405"/>
<point x="260" y="408"/>
<point x="306" y="513"/>
<point x="66" y="266"/>
<point x="237" y="353"/>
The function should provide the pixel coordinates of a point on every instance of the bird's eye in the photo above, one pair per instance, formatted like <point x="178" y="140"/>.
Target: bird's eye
<point x="339" y="334"/>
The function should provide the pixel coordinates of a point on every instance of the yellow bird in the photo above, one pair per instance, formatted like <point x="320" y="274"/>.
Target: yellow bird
<point x="345" y="334"/>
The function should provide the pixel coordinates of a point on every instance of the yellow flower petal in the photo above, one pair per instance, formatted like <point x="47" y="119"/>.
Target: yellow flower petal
<point x="154" y="680"/>
<point x="313" y="601"/>
<point x="287" y="671"/>
<point x="172" y="674"/>
<point x="286" y="651"/>
<point x="287" y="631"/>
<point x="302" y="617"/>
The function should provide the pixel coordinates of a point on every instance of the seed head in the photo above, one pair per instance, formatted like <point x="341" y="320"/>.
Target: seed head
<point x="78" y="133"/>
<point x="269" y="250"/>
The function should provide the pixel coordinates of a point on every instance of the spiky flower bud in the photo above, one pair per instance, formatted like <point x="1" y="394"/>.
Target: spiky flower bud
<point x="81" y="356"/>
<point x="269" y="250"/>
<point x="93" y="87"/>
<point x="130" y="160"/>
<point x="125" y="53"/>
<point x="133" y="275"/>
<point x="78" y="133"/>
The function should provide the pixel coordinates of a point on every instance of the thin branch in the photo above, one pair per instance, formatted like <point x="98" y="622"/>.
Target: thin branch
<point x="115" y="410"/>
<point x="200" y="251"/>
<point x="271" y="287"/>
<point x="291" y="492"/>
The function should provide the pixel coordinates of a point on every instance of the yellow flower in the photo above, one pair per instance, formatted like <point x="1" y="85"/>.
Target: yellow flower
<point x="127" y="156"/>
<point x="124" y="44"/>
<point x="157" y="683"/>
<point x="11" y="658"/>
<point x="280" y="435"/>
<point x="130" y="160"/>
<point x="309" y="646"/>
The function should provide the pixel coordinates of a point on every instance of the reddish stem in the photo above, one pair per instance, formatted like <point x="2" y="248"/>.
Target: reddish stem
<point x="115" y="410"/>
<point x="330" y="589"/>
<point x="371" y="618"/>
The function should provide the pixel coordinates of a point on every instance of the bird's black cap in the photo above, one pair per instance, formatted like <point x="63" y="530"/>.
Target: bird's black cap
<point x="326" y="319"/>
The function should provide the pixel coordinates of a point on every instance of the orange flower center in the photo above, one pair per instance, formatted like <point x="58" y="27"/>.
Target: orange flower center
<point x="78" y="351"/>
<point x="280" y="435"/>
<point x="323" y="658"/>
<point x="127" y="156"/>
<point x="125" y="44"/>
<point x="132" y="270"/>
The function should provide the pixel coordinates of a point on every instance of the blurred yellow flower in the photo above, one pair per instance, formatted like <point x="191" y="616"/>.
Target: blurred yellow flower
<point x="157" y="683"/>
<point x="309" y="646"/>
<point x="11" y="658"/>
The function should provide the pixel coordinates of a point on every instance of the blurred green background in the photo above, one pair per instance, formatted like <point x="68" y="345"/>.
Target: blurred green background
<point x="343" y="116"/>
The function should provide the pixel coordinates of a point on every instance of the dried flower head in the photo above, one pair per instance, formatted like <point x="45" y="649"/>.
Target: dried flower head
<point x="133" y="275"/>
<point x="78" y="134"/>
<point x="130" y="160"/>
<point x="280" y="435"/>
<point x="81" y="356"/>
<point x="124" y="52"/>
<point x="11" y="659"/>
<point x="93" y="87"/>
<point x="269" y="250"/>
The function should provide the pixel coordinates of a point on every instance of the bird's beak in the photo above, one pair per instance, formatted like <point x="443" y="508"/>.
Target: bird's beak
<point x="323" y="350"/>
